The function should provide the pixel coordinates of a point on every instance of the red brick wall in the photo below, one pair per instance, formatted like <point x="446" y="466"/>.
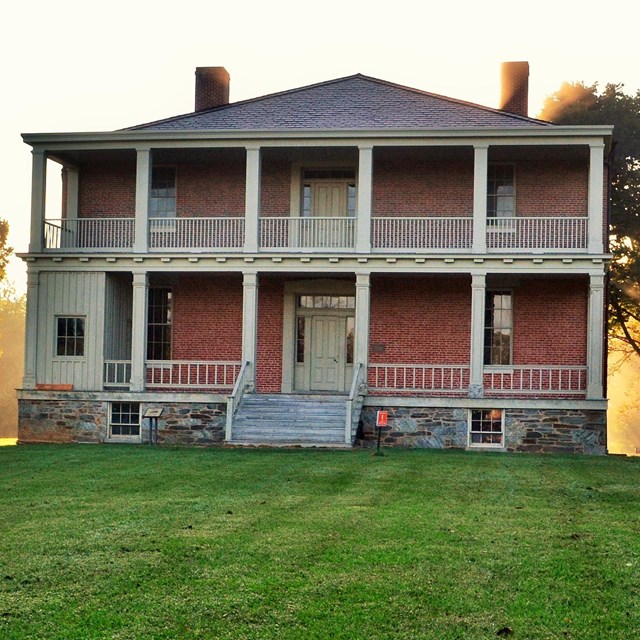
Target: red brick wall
<point x="207" y="317"/>
<point x="270" y="319"/>
<point x="420" y="319"/>
<point x="276" y="188"/>
<point x="550" y="321"/>
<point x="107" y="190"/>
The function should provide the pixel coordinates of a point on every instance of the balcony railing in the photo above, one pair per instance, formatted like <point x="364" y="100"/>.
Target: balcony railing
<point x="89" y="233"/>
<point x="196" y="233"/>
<point x="419" y="378"/>
<point x="530" y="234"/>
<point x="117" y="373"/>
<point x="430" y="234"/>
<point x="536" y="380"/>
<point x="187" y="374"/>
<point x="291" y="234"/>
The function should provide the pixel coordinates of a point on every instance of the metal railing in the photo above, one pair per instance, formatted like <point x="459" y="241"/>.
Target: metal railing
<point x="117" y="373"/>
<point x="196" y="233"/>
<point x="307" y="233"/>
<point x="354" y="403"/>
<point x="234" y="400"/>
<point x="89" y="233"/>
<point x="187" y="374"/>
<point x="419" y="377"/>
<point x="526" y="234"/>
<point x="433" y="234"/>
<point x="548" y="380"/>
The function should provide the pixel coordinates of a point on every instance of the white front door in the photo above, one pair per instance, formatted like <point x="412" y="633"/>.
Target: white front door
<point x="329" y="199"/>
<point x="327" y="353"/>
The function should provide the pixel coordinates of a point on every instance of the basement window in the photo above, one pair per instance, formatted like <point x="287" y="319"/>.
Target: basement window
<point x="125" y="419"/>
<point x="486" y="428"/>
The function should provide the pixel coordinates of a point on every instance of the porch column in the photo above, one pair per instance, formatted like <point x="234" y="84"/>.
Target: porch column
<point x="250" y="323"/>
<point x="31" y="332"/>
<point x="139" y="330"/>
<point x="363" y="312"/>
<point x="365" y="186"/>
<point x="252" y="200"/>
<point x="480" y="173"/>
<point x="478" y="290"/>
<point x="71" y="184"/>
<point x="596" y="198"/>
<point x="143" y="186"/>
<point x="595" y="337"/>
<point x="38" y="197"/>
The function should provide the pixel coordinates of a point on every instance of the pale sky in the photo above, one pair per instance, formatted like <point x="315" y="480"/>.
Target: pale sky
<point x="74" y="65"/>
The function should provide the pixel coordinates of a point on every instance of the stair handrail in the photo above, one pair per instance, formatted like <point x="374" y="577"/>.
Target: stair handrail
<point x="233" y="401"/>
<point x="357" y="384"/>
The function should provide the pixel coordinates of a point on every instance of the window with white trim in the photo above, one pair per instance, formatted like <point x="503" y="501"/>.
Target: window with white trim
<point x="70" y="336"/>
<point x="162" y="197"/>
<point x="486" y="428"/>
<point x="159" y="323"/>
<point x="501" y="193"/>
<point x="498" y="328"/>
<point x="125" y="419"/>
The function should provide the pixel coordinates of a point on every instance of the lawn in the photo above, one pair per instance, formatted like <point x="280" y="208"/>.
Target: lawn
<point x="135" y="542"/>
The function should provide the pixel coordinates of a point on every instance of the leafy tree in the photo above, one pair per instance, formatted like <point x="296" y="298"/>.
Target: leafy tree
<point x="577" y="103"/>
<point x="5" y="251"/>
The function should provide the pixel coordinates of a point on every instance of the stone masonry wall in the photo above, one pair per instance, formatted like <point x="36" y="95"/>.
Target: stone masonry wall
<point x="68" y="420"/>
<point x="526" y="430"/>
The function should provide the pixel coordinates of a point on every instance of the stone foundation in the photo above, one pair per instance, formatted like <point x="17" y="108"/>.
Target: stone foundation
<point x="68" y="420"/>
<point x="530" y="430"/>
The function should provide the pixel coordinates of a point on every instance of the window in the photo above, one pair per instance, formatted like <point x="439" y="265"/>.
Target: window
<point x="501" y="191"/>
<point x="70" y="336"/>
<point x="350" y="338"/>
<point x="498" y="328"/>
<point x="327" y="302"/>
<point x="300" y="323"/>
<point x="159" y="324"/>
<point x="486" y="428"/>
<point x="162" y="200"/>
<point x="125" y="419"/>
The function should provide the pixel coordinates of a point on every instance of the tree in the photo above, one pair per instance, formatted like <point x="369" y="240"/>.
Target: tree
<point x="5" y="251"/>
<point x="577" y="103"/>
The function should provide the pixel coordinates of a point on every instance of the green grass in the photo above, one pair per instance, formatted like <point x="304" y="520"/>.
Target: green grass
<point x="133" y="542"/>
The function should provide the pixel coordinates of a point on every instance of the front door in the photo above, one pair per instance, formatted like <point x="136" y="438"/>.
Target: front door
<point x="327" y="353"/>
<point x="328" y="199"/>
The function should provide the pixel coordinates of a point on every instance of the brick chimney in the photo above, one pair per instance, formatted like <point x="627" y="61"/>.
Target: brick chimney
<point x="514" y="96"/>
<point x="212" y="87"/>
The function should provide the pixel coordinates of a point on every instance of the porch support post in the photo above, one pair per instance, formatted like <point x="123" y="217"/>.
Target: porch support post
<point x="478" y="290"/>
<point x="139" y="330"/>
<point x="143" y="186"/>
<point x="596" y="198"/>
<point x="38" y="198"/>
<point x="250" y="324"/>
<point x="595" y="337"/>
<point x="363" y="290"/>
<point x="31" y="333"/>
<point x="252" y="200"/>
<point x="72" y="181"/>
<point x="480" y="173"/>
<point x="365" y="187"/>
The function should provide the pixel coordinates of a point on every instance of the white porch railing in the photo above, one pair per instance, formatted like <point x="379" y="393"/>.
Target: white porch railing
<point x="89" y="233"/>
<point x="117" y="373"/>
<point x="525" y="234"/>
<point x="186" y="374"/>
<point x="419" y="377"/>
<point x="307" y="233"/>
<point x="445" y="233"/>
<point x="354" y="403"/>
<point x="552" y="380"/>
<point x="196" y="233"/>
<point x="235" y="399"/>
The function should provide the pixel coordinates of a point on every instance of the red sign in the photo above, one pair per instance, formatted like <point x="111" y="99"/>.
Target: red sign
<point x="381" y="418"/>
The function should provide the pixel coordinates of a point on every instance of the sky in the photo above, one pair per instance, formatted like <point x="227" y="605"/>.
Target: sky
<point x="72" y="65"/>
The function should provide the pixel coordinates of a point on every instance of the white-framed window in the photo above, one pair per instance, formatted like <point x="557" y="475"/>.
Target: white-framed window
<point x="501" y="191"/>
<point x="159" y="323"/>
<point x="162" y="197"/>
<point x="498" y="328"/>
<point x="70" y="336"/>
<point x="486" y="428"/>
<point x="124" y="421"/>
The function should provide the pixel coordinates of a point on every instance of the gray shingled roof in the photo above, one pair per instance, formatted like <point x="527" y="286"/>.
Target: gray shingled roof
<point x="354" y="102"/>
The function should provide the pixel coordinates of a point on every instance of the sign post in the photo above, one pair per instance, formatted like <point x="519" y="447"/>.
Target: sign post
<point x="382" y="418"/>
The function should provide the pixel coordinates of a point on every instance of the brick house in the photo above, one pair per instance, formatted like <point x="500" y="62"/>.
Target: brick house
<point x="278" y="269"/>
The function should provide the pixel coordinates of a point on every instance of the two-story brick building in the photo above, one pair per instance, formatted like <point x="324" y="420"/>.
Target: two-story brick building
<point x="278" y="269"/>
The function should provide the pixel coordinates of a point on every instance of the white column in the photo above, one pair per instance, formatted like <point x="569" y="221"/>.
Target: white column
<point x="250" y="323"/>
<point x="143" y="186"/>
<point x="72" y="180"/>
<point x="595" y="336"/>
<point x="252" y="200"/>
<point x="363" y="312"/>
<point x="38" y="198"/>
<point x="31" y="333"/>
<point x="480" y="173"/>
<point x="596" y="198"/>
<point x="365" y="187"/>
<point x="478" y="291"/>
<point x="139" y="330"/>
